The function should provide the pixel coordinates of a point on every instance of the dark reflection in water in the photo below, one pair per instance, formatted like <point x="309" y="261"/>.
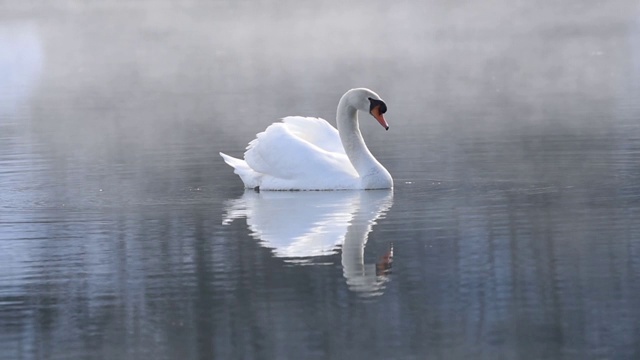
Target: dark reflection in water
<point x="514" y="146"/>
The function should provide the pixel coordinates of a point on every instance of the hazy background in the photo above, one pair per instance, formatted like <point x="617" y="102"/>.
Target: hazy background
<point x="514" y="145"/>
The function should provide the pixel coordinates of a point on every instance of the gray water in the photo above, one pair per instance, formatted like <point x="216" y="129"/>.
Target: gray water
<point x="514" y="145"/>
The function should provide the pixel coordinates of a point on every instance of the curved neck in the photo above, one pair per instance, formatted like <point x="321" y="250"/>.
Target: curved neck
<point x="352" y="141"/>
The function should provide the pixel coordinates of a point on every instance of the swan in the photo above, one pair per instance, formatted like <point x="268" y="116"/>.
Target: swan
<point x="306" y="153"/>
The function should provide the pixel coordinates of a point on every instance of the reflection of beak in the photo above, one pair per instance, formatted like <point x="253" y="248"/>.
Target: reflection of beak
<point x="376" y="114"/>
<point x="383" y="266"/>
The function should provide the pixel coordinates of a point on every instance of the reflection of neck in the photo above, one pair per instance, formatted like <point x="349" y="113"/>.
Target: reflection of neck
<point x="352" y="141"/>
<point x="359" y="276"/>
<point x="362" y="277"/>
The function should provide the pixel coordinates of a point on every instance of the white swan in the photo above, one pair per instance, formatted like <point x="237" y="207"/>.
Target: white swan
<point x="302" y="153"/>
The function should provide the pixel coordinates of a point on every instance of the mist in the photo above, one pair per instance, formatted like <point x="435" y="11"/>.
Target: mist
<point x="120" y="61"/>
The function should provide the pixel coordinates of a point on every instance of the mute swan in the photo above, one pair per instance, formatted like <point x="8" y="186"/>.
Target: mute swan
<point x="304" y="153"/>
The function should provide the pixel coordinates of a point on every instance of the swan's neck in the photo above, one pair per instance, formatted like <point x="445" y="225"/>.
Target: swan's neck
<point x="361" y="158"/>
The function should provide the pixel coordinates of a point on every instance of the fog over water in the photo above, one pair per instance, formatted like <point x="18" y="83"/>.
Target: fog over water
<point x="514" y="144"/>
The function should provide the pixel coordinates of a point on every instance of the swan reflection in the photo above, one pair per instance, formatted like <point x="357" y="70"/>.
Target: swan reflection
<point x="301" y="226"/>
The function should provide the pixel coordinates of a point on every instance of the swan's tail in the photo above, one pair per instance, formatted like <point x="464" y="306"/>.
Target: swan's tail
<point x="250" y="178"/>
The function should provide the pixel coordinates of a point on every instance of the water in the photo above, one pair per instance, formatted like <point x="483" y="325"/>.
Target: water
<point x="514" y="145"/>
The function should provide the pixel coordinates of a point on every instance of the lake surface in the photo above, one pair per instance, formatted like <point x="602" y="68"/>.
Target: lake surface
<point x="514" y="224"/>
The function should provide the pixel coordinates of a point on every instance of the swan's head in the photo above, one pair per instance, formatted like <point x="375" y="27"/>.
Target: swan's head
<point x="368" y="101"/>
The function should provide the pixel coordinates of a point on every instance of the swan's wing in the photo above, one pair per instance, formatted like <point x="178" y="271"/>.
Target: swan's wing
<point x="299" y="149"/>
<point x="316" y="131"/>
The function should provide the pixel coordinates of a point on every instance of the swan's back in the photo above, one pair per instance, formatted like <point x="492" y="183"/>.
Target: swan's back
<point x="316" y="131"/>
<point x="299" y="153"/>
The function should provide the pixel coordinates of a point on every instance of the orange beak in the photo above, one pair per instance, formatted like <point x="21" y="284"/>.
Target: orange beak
<point x="376" y="114"/>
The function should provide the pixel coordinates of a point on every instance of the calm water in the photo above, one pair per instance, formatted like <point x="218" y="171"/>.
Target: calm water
<point x="514" y="144"/>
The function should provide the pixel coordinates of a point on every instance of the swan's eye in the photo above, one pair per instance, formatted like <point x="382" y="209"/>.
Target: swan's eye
<point x="374" y="103"/>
